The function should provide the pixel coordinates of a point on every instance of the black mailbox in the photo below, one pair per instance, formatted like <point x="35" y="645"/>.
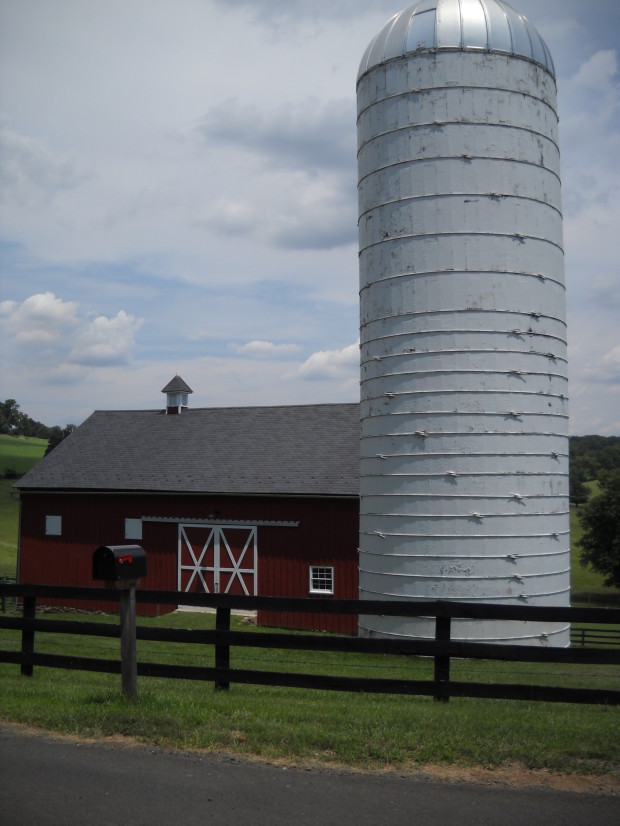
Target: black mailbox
<point x="119" y="562"/>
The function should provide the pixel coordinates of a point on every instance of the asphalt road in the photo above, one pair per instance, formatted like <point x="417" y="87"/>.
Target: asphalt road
<point x="46" y="780"/>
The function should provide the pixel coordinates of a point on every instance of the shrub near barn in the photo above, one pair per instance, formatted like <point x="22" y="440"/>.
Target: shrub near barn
<point x="600" y="520"/>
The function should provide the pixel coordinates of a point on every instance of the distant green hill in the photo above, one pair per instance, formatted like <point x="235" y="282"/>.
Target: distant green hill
<point x="17" y="455"/>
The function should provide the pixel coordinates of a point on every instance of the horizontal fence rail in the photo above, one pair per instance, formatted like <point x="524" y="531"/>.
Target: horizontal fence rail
<point x="442" y="649"/>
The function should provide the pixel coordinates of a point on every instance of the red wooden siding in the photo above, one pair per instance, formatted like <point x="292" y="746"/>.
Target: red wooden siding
<point x="327" y="534"/>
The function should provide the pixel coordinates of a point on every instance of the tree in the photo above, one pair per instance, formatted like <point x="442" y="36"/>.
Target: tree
<point x="16" y="423"/>
<point x="10" y="417"/>
<point x="57" y="434"/>
<point x="600" y="520"/>
<point x="578" y="492"/>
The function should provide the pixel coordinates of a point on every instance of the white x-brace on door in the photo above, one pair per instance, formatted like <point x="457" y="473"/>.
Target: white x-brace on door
<point x="217" y="559"/>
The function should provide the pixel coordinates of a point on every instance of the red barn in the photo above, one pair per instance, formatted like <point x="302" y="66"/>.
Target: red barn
<point x="248" y="500"/>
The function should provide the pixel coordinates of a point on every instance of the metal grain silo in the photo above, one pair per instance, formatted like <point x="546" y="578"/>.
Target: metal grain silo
<point x="464" y="448"/>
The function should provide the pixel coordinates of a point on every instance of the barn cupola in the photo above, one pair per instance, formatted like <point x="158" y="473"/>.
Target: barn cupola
<point x="176" y="392"/>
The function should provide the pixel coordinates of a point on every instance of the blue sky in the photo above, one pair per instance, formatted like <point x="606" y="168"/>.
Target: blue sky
<point x="178" y="195"/>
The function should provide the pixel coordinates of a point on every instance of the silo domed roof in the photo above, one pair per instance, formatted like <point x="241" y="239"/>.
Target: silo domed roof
<point x="464" y="25"/>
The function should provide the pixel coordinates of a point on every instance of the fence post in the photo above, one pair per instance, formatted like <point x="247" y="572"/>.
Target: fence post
<point x="442" y="662"/>
<point x="129" y="660"/>
<point x="222" y="652"/>
<point x="29" y="612"/>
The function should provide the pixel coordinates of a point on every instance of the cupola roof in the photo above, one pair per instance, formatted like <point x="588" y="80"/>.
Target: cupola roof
<point x="177" y="385"/>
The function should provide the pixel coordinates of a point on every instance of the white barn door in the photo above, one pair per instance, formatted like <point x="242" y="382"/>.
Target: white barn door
<point x="217" y="559"/>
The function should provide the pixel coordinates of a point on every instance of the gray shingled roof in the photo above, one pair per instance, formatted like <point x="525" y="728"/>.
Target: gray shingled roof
<point x="297" y="450"/>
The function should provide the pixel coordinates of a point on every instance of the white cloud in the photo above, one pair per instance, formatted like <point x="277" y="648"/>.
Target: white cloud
<point x="598" y="71"/>
<point x="210" y="189"/>
<point x="611" y="364"/>
<point x="298" y="173"/>
<point x="309" y="135"/>
<point x="231" y="218"/>
<point x="590" y="142"/>
<point x="31" y="173"/>
<point x="288" y="212"/>
<point x="106" y="341"/>
<point x="590" y="132"/>
<point x="316" y="221"/>
<point x="267" y="349"/>
<point x="41" y="319"/>
<point x="51" y="338"/>
<point x="286" y="13"/>
<point x="332" y="364"/>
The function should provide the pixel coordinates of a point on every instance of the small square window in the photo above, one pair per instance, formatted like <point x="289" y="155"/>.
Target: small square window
<point x="133" y="529"/>
<point x="321" y="579"/>
<point x="53" y="525"/>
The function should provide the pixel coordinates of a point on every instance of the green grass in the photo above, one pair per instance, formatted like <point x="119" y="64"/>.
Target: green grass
<point x="9" y="519"/>
<point x="20" y="453"/>
<point x="351" y="729"/>
<point x="366" y="731"/>
<point x="17" y="455"/>
<point x="583" y="579"/>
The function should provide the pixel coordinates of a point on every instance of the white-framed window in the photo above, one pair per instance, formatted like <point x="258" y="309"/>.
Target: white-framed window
<point x="321" y="579"/>
<point x="177" y="400"/>
<point x="53" y="525"/>
<point x="133" y="529"/>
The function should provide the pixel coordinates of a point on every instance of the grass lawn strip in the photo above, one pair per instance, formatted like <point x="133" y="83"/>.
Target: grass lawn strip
<point x="371" y="732"/>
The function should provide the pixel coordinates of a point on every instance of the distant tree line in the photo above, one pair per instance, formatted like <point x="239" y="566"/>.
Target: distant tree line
<point x="15" y="423"/>
<point x="591" y="458"/>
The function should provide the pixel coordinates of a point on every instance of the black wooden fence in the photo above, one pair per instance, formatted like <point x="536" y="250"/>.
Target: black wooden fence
<point x="442" y="649"/>
<point x="6" y="580"/>
<point x="594" y="637"/>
